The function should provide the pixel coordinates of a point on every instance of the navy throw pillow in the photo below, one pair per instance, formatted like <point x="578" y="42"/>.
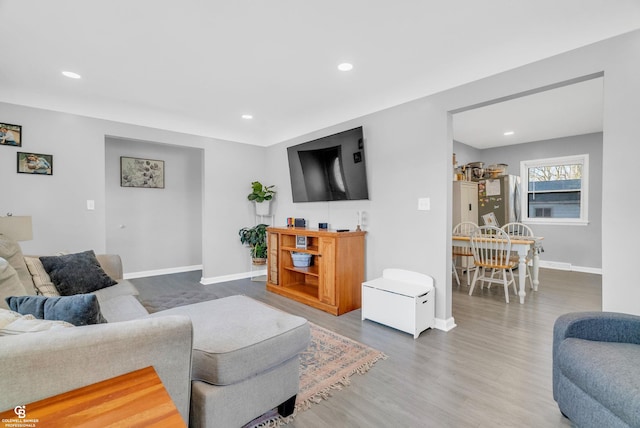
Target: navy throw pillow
<point x="81" y="309"/>
<point x="78" y="273"/>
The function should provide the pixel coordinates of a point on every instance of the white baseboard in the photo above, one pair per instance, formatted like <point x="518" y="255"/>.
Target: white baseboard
<point x="445" y="325"/>
<point x="233" y="277"/>
<point x="569" y="267"/>
<point x="142" y="274"/>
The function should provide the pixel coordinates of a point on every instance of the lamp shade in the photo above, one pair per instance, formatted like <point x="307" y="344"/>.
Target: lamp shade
<point x="17" y="228"/>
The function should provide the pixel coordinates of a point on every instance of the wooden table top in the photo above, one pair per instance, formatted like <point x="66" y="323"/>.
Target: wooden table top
<point x="136" y="399"/>
<point x="521" y="240"/>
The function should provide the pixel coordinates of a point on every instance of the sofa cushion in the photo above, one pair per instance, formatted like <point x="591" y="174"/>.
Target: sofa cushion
<point x="122" y="308"/>
<point x="77" y="273"/>
<point x="41" y="279"/>
<point x="81" y="309"/>
<point x="10" y="284"/>
<point x="11" y="252"/>
<point x="235" y="338"/>
<point x="607" y="371"/>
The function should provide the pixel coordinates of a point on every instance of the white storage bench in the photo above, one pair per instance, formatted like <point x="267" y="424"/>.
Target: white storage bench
<point x="401" y="299"/>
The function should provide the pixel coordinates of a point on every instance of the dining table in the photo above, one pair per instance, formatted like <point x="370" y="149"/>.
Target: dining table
<point x="522" y="245"/>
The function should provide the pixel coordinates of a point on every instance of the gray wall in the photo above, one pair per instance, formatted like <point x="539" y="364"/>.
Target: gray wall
<point x="153" y="229"/>
<point x="409" y="150"/>
<point x="466" y="154"/>
<point x="61" y="221"/>
<point x="578" y="245"/>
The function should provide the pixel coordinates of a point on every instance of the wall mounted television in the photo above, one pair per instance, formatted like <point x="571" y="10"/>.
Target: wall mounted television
<point x="331" y="168"/>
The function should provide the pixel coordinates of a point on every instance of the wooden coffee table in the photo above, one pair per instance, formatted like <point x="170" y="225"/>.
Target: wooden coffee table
<point x="136" y="399"/>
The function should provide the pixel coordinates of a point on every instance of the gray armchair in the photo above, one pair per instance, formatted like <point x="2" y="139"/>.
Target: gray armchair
<point x="596" y="368"/>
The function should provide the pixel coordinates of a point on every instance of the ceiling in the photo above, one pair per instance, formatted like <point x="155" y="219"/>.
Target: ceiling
<point x="197" y="66"/>
<point x="561" y="112"/>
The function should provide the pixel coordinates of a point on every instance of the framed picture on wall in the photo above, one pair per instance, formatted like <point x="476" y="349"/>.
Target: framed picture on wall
<point x="10" y="135"/>
<point x="35" y="163"/>
<point x="136" y="172"/>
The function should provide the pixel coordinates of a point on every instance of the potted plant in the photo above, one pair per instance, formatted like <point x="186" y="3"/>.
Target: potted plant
<point x="261" y="195"/>
<point x="256" y="238"/>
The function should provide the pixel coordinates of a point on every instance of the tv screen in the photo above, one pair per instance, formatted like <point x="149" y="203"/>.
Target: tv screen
<point x="331" y="168"/>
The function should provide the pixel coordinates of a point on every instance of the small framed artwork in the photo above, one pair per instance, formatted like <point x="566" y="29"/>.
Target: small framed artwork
<point x="10" y="135"/>
<point x="136" y="172"/>
<point x="301" y="242"/>
<point x="35" y="163"/>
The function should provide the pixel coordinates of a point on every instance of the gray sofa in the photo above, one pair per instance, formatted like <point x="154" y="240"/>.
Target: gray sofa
<point x="224" y="362"/>
<point x="596" y="368"/>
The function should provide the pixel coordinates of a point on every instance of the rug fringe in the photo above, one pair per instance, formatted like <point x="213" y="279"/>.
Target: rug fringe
<point x="339" y="385"/>
<point x="278" y="421"/>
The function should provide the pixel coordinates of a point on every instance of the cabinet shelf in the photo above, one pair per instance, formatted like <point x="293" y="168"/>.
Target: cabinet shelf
<point x="310" y="250"/>
<point x="309" y="270"/>
<point x="332" y="282"/>
<point x="303" y="288"/>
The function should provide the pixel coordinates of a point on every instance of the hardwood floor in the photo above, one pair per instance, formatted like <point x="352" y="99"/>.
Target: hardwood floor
<point x="492" y="370"/>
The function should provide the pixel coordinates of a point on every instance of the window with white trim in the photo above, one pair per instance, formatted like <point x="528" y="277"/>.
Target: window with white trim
<point x="555" y="190"/>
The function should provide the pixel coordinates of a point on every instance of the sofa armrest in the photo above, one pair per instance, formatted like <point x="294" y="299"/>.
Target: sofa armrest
<point x="111" y="264"/>
<point x="596" y="326"/>
<point x="39" y="365"/>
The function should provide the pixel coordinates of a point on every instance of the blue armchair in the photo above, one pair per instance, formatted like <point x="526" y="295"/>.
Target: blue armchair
<point x="596" y="368"/>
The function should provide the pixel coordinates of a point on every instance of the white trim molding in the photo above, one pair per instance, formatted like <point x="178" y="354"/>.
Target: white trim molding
<point x="156" y="272"/>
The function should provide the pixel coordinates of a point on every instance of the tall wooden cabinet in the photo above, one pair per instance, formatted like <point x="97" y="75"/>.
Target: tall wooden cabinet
<point x="332" y="282"/>
<point x="465" y="202"/>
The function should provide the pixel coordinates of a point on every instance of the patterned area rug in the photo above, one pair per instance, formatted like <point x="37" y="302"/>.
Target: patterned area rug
<point x="326" y="365"/>
<point x="180" y="298"/>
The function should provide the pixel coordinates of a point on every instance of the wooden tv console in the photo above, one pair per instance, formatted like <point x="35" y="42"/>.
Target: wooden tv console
<point x="333" y="281"/>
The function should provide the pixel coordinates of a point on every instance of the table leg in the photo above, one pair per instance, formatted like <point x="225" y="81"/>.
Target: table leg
<point x="536" y="268"/>
<point x="522" y="275"/>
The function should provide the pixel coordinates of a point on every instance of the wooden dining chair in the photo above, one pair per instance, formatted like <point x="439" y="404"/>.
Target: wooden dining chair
<point x="517" y="230"/>
<point x="464" y="228"/>
<point x="491" y="248"/>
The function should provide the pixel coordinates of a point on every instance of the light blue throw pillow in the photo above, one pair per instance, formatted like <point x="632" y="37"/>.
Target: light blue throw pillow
<point x="81" y="309"/>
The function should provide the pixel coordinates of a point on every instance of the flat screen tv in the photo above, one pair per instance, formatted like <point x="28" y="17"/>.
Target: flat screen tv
<point x="331" y="168"/>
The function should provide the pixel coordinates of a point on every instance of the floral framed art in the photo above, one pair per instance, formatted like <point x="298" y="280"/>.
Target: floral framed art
<point x="10" y="135"/>
<point x="137" y="172"/>
<point x="35" y="163"/>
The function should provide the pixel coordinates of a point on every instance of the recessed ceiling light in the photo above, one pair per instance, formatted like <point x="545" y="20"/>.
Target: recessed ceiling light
<point x="345" y="66"/>
<point x="247" y="116"/>
<point x="507" y="133"/>
<point x="71" y="74"/>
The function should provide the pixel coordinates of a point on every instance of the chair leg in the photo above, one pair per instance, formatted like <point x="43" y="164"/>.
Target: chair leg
<point x="530" y="277"/>
<point x="455" y="272"/>
<point x="513" y="281"/>
<point x="493" y="273"/>
<point x="286" y="409"/>
<point x="475" y="278"/>
<point x="506" y="285"/>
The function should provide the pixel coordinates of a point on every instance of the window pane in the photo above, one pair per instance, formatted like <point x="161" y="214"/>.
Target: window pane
<point x="554" y="205"/>
<point x="546" y="186"/>
<point x="556" y="188"/>
<point x="555" y="172"/>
